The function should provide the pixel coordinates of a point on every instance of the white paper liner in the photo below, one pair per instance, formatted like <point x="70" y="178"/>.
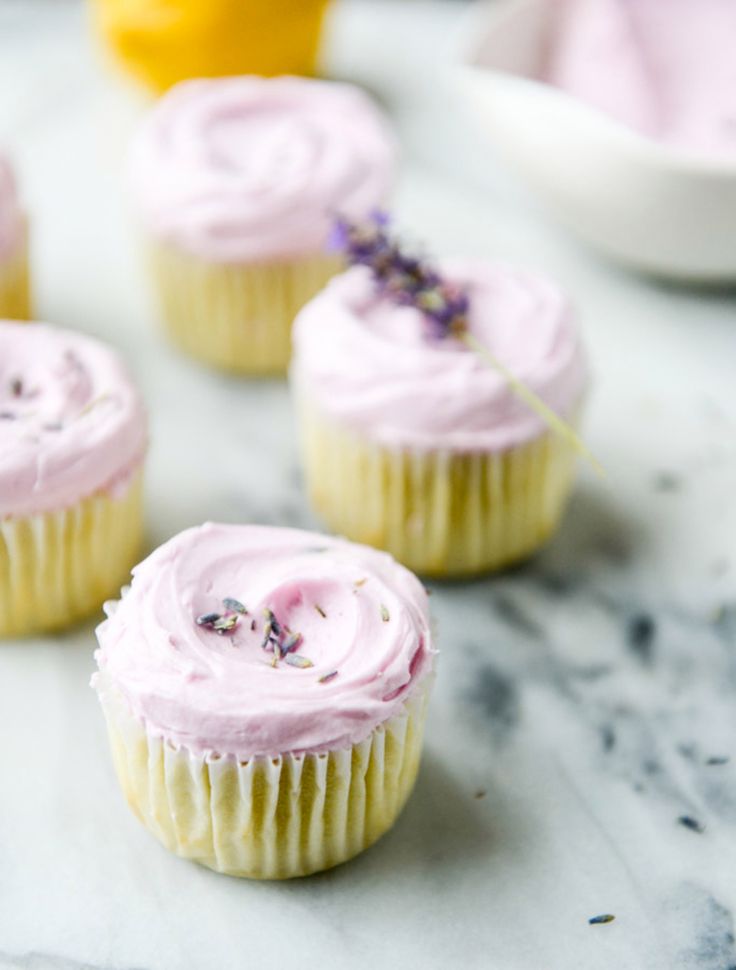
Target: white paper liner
<point x="441" y="513"/>
<point x="267" y="818"/>
<point x="57" y="567"/>
<point x="237" y="317"/>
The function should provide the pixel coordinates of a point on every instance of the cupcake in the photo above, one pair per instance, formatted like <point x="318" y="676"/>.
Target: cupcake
<point x="161" y="42"/>
<point x="412" y="441"/>
<point x="14" y="281"/>
<point x="236" y="183"/>
<point x="265" y="693"/>
<point x="72" y="442"/>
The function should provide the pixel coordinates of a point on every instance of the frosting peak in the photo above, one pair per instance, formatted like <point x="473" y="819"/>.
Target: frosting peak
<point x="71" y="421"/>
<point x="248" y="168"/>
<point x="362" y="618"/>
<point x="368" y="363"/>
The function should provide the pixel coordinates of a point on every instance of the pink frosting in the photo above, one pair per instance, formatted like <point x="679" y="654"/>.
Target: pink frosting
<point x="247" y="168"/>
<point x="665" y="68"/>
<point x="368" y="363"/>
<point x="11" y="214"/>
<point x="220" y="693"/>
<point x="71" y="421"/>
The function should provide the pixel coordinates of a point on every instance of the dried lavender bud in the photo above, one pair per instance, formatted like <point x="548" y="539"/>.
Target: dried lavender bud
<point x="691" y="823"/>
<point x="235" y="606"/>
<point x="207" y="619"/>
<point x="297" y="660"/>
<point x="225" y="623"/>
<point x="291" y="642"/>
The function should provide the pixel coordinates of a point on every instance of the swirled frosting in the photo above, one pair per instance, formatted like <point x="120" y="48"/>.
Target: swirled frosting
<point x="248" y="168"/>
<point x="360" y="614"/>
<point x="11" y="214"/>
<point x="665" y="69"/>
<point x="71" y="421"/>
<point x="368" y="363"/>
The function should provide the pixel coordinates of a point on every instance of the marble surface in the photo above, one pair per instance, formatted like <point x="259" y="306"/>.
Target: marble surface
<point x="581" y="700"/>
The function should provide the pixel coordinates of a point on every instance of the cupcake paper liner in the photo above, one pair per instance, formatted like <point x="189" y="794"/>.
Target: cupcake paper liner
<point x="58" y="567"/>
<point x="267" y="818"/>
<point x="15" y="286"/>
<point x="237" y="317"/>
<point x="441" y="513"/>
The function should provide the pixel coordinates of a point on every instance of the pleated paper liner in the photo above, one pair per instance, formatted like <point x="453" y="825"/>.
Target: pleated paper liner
<point x="15" y="284"/>
<point x="59" y="567"/>
<point x="236" y="317"/>
<point x="441" y="513"/>
<point x="267" y="818"/>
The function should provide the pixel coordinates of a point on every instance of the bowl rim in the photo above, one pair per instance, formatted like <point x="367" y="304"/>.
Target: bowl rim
<point x="485" y="15"/>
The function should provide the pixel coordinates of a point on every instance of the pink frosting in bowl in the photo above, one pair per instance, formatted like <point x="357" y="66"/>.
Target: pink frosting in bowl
<point x="71" y="420"/>
<point x="664" y="68"/>
<point x="12" y="220"/>
<point x="247" y="169"/>
<point x="363" y="620"/>
<point x="368" y="363"/>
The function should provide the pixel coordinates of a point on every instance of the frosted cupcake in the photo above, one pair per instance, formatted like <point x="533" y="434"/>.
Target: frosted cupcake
<point x="265" y="693"/>
<point x="164" y="41"/>
<point x="236" y="182"/>
<point x="412" y="440"/>
<point x="72" y="442"/>
<point x="14" y="277"/>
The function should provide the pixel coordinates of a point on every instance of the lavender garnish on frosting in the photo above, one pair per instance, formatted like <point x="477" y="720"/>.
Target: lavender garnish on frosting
<point x="409" y="281"/>
<point x="400" y="277"/>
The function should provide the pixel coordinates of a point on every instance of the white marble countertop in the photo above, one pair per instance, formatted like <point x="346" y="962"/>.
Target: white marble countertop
<point x="579" y="699"/>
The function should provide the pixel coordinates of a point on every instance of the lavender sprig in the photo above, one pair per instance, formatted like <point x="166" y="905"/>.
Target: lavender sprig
<point x="409" y="281"/>
<point x="403" y="278"/>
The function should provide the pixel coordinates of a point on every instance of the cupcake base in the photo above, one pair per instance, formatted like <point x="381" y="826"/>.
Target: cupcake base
<point x="441" y="513"/>
<point x="267" y="818"/>
<point x="237" y="317"/>
<point x="15" y="285"/>
<point x="59" y="567"/>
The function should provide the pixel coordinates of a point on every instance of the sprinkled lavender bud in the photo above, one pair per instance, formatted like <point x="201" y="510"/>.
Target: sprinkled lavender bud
<point x="603" y="918"/>
<point x="207" y="619"/>
<point x="292" y="641"/>
<point x="326" y="678"/>
<point x="272" y="621"/>
<point x="321" y="612"/>
<point x="267" y="639"/>
<point x="225" y="623"/>
<point x="691" y="823"/>
<point x="297" y="660"/>
<point x="385" y="615"/>
<point x="235" y="606"/>
<point x="16" y="387"/>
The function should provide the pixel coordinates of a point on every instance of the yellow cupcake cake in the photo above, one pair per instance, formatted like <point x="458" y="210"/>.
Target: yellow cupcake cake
<point x="72" y="442"/>
<point x="265" y="692"/>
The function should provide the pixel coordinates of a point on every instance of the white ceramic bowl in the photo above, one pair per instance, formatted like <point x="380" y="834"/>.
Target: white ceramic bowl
<point x="637" y="200"/>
